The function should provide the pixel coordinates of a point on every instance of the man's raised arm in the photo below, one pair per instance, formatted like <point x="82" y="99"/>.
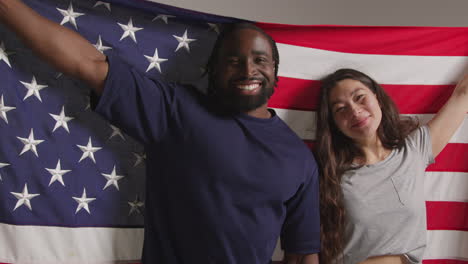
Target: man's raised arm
<point x="63" y="48"/>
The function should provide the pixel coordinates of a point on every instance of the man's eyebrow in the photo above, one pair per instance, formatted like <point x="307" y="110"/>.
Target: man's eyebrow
<point x="261" y="52"/>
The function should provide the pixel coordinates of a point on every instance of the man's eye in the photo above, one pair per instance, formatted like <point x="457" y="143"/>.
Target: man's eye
<point x="261" y="60"/>
<point x="232" y="61"/>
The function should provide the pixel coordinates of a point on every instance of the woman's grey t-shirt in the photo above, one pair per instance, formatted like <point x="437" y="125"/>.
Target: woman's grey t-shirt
<point x="385" y="205"/>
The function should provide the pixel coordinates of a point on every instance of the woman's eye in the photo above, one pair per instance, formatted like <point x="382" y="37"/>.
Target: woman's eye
<point x="339" y="109"/>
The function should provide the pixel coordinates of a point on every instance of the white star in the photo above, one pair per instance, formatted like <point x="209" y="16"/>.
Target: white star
<point x="88" y="151"/>
<point x="83" y="202"/>
<point x="140" y="158"/>
<point x="116" y="132"/>
<point x="183" y="41"/>
<point x="155" y="61"/>
<point x="69" y="15"/>
<point x="33" y="88"/>
<point x="129" y="30"/>
<point x="99" y="3"/>
<point x="4" y="54"/>
<point x="163" y="18"/>
<point x="1" y="166"/>
<point x="61" y="120"/>
<point x="57" y="174"/>
<point x="24" y="197"/>
<point x="4" y="109"/>
<point x="112" y="179"/>
<point x="135" y="205"/>
<point x="30" y="143"/>
<point x="214" y="27"/>
<point x="101" y="47"/>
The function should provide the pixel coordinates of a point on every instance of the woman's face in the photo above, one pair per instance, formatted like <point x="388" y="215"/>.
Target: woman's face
<point x="355" y="110"/>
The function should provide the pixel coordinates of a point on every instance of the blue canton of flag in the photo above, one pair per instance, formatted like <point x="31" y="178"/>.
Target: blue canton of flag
<point x="71" y="184"/>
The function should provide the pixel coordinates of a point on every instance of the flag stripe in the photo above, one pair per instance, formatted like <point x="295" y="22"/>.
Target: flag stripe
<point x="300" y="94"/>
<point x="445" y="261"/>
<point x="313" y="64"/>
<point x="446" y="186"/>
<point x="421" y="41"/>
<point x="58" y="245"/>
<point x="447" y="215"/>
<point x="444" y="244"/>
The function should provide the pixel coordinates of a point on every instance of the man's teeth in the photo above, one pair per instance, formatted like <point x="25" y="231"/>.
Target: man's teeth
<point x="248" y="87"/>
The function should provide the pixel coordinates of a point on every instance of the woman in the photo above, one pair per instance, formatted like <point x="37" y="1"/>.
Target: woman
<point x="373" y="163"/>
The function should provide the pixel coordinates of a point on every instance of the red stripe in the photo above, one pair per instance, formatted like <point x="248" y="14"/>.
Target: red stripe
<point x="299" y="94"/>
<point x="447" y="216"/>
<point x="423" y="41"/>
<point x="454" y="157"/>
<point x="445" y="261"/>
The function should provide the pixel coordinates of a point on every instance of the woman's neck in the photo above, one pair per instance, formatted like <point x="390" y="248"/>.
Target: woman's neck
<point x="373" y="151"/>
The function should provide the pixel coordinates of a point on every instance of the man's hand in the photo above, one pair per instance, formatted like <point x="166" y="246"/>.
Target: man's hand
<point x="63" y="48"/>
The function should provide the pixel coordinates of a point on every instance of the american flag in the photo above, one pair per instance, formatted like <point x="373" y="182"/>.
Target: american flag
<point x="71" y="185"/>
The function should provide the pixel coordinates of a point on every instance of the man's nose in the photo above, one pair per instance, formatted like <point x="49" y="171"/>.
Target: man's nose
<point x="248" y="68"/>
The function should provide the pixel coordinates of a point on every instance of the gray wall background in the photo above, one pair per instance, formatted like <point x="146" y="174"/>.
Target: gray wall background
<point x="450" y="13"/>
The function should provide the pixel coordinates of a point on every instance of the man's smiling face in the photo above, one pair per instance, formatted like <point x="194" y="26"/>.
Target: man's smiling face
<point x="244" y="74"/>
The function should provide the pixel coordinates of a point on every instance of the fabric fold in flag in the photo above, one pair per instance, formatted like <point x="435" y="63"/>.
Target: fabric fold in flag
<point x="72" y="185"/>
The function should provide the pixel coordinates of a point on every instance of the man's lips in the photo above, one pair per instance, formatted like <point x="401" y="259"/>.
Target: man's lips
<point x="248" y="87"/>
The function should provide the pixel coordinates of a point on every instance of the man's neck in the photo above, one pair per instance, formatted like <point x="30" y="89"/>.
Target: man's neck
<point x="260" y="112"/>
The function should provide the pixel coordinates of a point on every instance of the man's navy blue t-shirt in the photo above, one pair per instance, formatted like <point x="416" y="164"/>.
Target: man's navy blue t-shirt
<point x="220" y="189"/>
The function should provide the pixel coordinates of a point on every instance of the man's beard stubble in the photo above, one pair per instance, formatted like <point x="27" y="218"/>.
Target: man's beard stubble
<point x="231" y="102"/>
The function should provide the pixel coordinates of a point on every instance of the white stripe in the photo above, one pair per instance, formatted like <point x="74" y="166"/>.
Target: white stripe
<point x="303" y="124"/>
<point x="445" y="244"/>
<point x="314" y="64"/>
<point x="446" y="186"/>
<point x="58" y="245"/>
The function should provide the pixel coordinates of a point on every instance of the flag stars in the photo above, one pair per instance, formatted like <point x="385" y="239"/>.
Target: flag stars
<point x="129" y="30"/>
<point x="155" y="61"/>
<point x="101" y="3"/>
<point x="214" y="27"/>
<point x="83" y="202"/>
<point x="163" y="18"/>
<point x="184" y="41"/>
<point x="33" y="89"/>
<point x="139" y="158"/>
<point x="1" y="166"/>
<point x="112" y="179"/>
<point x="69" y="15"/>
<point x="57" y="174"/>
<point x="4" y="54"/>
<point x="88" y="151"/>
<point x="24" y="198"/>
<point x="61" y="120"/>
<point x="100" y="47"/>
<point x="30" y="143"/>
<point x="4" y="109"/>
<point x="116" y="132"/>
<point x="135" y="205"/>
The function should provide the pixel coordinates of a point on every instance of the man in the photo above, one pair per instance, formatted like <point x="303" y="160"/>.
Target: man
<point x="226" y="177"/>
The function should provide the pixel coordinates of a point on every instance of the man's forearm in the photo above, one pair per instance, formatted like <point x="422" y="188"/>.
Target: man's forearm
<point x="65" y="49"/>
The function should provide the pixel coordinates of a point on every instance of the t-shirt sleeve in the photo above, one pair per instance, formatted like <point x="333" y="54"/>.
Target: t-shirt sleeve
<point x="301" y="229"/>
<point x="420" y="139"/>
<point x="138" y="105"/>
